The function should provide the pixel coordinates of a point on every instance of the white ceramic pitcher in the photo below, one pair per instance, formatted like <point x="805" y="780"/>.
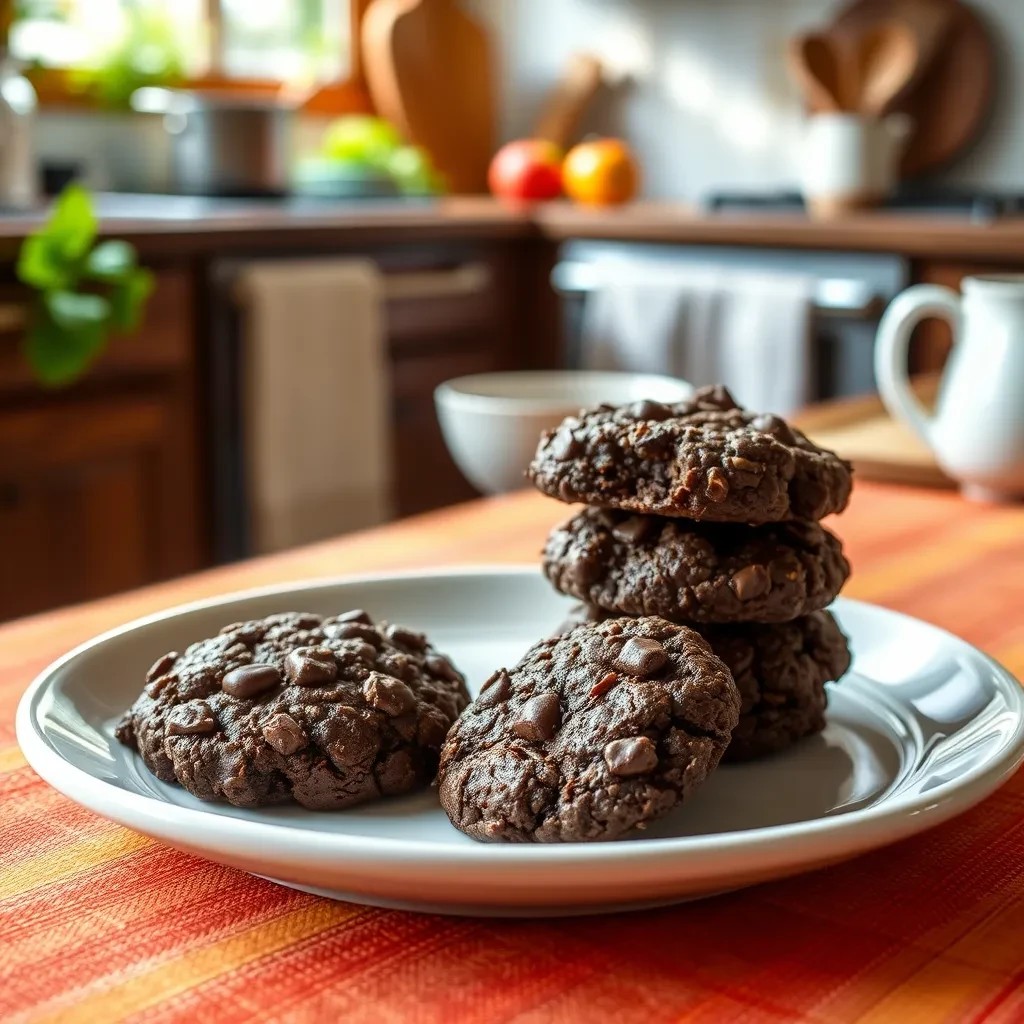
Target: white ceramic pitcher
<point x="977" y="429"/>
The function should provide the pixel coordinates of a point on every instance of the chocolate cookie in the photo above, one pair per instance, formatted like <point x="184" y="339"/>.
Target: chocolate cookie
<point x="695" y="572"/>
<point x="780" y="672"/>
<point x="704" y="458"/>
<point x="325" y="711"/>
<point x="590" y="735"/>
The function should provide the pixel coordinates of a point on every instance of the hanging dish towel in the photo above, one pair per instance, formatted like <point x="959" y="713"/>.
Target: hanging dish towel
<point x="748" y="330"/>
<point x="315" y="400"/>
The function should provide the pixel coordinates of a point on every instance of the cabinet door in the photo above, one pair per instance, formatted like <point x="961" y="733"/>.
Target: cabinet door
<point x="425" y="475"/>
<point x="91" y="500"/>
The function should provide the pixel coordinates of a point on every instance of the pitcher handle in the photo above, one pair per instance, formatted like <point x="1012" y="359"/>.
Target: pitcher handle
<point x="903" y="314"/>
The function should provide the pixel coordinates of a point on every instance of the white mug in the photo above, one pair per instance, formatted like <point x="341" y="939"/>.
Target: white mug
<point x="849" y="161"/>
<point x="977" y="429"/>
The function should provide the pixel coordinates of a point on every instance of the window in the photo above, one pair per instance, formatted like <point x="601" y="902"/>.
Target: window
<point x="307" y="43"/>
<point x="290" y="40"/>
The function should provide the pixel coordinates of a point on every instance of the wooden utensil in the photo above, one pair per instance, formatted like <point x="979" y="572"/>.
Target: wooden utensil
<point x="930" y="22"/>
<point x="886" y="60"/>
<point x="949" y="97"/>
<point x="428" y="66"/>
<point x="563" y="110"/>
<point x="816" y="64"/>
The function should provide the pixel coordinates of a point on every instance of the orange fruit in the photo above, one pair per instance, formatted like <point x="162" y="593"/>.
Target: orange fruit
<point x="601" y="173"/>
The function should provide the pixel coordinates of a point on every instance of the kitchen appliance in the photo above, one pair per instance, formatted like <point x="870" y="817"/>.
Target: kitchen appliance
<point x="979" y="206"/>
<point x="977" y="428"/>
<point x="19" y="176"/>
<point x="224" y="145"/>
<point x="850" y="292"/>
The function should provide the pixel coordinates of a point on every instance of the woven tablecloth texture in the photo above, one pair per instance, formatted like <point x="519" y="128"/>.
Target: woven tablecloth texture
<point x="98" y="923"/>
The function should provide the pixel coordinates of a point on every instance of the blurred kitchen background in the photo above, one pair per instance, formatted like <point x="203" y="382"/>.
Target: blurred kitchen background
<point x="702" y="91"/>
<point x="277" y="237"/>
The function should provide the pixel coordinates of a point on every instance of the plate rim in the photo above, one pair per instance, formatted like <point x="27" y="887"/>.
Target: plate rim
<point x="129" y="808"/>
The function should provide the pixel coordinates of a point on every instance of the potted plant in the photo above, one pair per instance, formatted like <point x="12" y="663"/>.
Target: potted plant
<point x="85" y="291"/>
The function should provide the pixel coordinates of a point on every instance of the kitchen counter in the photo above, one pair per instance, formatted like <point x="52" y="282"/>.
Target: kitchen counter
<point x="917" y="234"/>
<point x="183" y="225"/>
<point x="169" y="225"/>
<point x="101" y="923"/>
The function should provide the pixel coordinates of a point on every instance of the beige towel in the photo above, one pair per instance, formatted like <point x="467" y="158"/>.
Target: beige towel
<point x="315" y="400"/>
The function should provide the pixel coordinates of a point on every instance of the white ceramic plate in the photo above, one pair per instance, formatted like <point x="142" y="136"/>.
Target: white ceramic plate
<point x="923" y="727"/>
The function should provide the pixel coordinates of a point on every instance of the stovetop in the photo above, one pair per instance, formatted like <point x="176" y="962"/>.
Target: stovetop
<point x="978" y="206"/>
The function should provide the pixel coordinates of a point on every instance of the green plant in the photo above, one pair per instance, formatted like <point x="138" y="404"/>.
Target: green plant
<point x="85" y="291"/>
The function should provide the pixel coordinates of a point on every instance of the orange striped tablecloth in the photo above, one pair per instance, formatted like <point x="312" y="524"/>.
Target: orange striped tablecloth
<point x="98" y="923"/>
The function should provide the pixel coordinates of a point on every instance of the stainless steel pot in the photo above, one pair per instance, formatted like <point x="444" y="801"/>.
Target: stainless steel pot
<point x="224" y="145"/>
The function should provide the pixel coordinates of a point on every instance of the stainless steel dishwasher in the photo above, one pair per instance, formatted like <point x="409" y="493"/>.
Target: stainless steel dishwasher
<point x="850" y="292"/>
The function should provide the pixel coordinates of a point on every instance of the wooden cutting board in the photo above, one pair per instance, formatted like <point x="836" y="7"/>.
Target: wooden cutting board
<point x="880" y="448"/>
<point x="949" y="101"/>
<point x="563" y="110"/>
<point x="428" y="65"/>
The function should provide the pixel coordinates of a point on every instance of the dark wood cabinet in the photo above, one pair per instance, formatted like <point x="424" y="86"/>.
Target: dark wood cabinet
<point x="120" y="479"/>
<point x="442" y="321"/>
<point x="485" y="308"/>
<point x="100" y="484"/>
<point x="425" y="475"/>
<point x="89" y="502"/>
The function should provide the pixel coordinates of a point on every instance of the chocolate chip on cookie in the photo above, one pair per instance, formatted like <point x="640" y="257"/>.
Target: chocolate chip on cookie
<point x="328" y="712"/>
<point x="589" y="736"/>
<point x="703" y="458"/>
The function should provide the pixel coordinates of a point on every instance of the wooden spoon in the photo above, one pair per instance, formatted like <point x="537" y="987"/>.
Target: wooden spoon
<point x="887" y="58"/>
<point x="816" y="64"/>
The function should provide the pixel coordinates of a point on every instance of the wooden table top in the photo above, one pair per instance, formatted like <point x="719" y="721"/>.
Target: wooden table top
<point x="901" y="541"/>
<point x="892" y="942"/>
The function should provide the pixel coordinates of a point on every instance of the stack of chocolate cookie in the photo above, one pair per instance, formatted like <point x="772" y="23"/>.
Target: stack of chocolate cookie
<point x="706" y="515"/>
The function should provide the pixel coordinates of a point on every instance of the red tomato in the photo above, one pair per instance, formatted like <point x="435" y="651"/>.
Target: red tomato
<point x="526" y="169"/>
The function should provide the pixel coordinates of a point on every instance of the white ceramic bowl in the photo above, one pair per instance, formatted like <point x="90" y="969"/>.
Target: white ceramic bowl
<point x="492" y="422"/>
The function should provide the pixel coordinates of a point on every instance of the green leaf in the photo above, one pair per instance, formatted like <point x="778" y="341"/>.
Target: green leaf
<point x="40" y="264"/>
<point x="110" y="261"/>
<point x="69" y="327"/>
<point x="50" y="256"/>
<point x="74" y="311"/>
<point x="72" y="225"/>
<point x="57" y="355"/>
<point x="128" y="300"/>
